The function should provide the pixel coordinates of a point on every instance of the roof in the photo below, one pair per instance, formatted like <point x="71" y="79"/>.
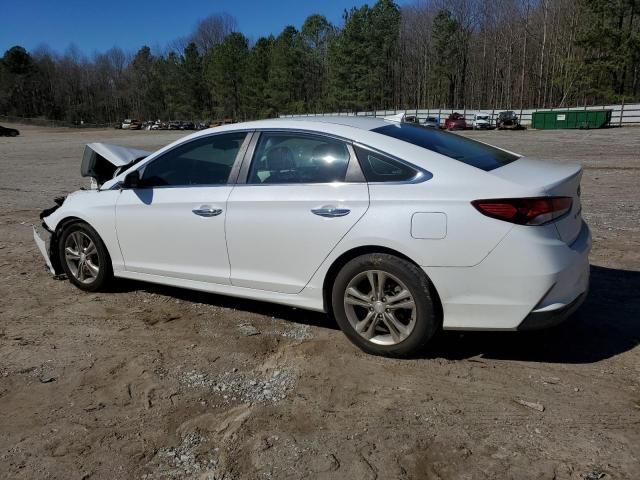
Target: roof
<point x="364" y="123"/>
<point x="347" y="126"/>
<point x="360" y="122"/>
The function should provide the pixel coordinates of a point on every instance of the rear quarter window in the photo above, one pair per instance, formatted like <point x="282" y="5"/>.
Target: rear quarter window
<point x="465" y="150"/>
<point x="378" y="167"/>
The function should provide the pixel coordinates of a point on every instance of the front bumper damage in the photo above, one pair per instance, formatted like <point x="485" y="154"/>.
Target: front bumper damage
<point x="42" y="237"/>
<point x="46" y="241"/>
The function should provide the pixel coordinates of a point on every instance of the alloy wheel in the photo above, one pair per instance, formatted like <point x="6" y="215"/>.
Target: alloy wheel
<point x="380" y="307"/>
<point x="82" y="258"/>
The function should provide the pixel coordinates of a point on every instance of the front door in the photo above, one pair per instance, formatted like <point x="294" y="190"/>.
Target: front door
<point x="174" y="225"/>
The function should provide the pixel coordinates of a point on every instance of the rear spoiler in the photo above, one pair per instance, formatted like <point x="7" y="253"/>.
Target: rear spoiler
<point x="103" y="161"/>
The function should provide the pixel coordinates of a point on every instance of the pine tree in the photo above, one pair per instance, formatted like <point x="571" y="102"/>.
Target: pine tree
<point x="226" y="65"/>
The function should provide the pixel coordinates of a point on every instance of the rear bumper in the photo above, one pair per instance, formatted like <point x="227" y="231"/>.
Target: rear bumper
<point x="551" y="318"/>
<point x="530" y="279"/>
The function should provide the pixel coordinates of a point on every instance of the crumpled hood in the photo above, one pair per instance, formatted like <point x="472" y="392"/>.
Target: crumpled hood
<point x="103" y="161"/>
<point x="115" y="154"/>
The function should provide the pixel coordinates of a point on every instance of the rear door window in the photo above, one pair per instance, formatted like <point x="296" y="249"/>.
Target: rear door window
<point x="298" y="158"/>
<point x="476" y="154"/>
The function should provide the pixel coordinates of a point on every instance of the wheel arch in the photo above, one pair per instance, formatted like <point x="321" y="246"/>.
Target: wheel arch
<point x="55" y="237"/>
<point x="349" y="255"/>
<point x="68" y="220"/>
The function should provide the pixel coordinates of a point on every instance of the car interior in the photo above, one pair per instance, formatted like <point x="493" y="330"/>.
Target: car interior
<point x="288" y="159"/>
<point x="202" y="162"/>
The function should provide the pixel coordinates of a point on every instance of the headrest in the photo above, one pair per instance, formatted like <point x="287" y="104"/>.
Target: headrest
<point x="279" y="158"/>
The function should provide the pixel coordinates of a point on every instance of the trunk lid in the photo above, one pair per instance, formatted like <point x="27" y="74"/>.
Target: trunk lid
<point x="545" y="178"/>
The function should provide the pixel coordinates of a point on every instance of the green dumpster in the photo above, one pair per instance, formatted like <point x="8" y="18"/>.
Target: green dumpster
<point x="571" y="119"/>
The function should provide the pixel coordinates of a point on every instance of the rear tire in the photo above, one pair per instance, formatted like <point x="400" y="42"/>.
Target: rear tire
<point x="84" y="257"/>
<point x="384" y="305"/>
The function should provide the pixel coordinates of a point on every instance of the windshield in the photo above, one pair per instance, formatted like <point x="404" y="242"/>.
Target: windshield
<point x="451" y="145"/>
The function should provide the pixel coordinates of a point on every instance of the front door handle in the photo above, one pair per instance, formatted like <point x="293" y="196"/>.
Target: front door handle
<point x="331" y="212"/>
<point x="207" y="211"/>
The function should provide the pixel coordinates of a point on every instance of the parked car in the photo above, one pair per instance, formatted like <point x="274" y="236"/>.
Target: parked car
<point x="455" y="121"/>
<point x="126" y="123"/>
<point x="174" y="125"/>
<point x="8" y="132"/>
<point x="187" y="126"/>
<point x="507" y="120"/>
<point x="135" y="125"/>
<point x="395" y="230"/>
<point x="431" y="122"/>
<point x="482" y="121"/>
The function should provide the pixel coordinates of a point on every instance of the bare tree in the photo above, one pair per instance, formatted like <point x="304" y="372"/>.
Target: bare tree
<point x="212" y="30"/>
<point x="178" y="45"/>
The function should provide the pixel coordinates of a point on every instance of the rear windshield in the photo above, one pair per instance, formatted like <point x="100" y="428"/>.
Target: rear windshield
<point x="451" y="145"/>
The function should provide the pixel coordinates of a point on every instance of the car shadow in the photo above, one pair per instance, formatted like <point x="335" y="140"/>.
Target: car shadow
<point x="607" y="324"/>
<point x="282" y="312"/>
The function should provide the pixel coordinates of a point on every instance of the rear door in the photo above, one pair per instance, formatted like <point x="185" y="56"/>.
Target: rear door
<point x="297" y="197"/>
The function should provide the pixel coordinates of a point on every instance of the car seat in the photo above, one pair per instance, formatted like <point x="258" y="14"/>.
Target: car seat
<point x="281" y="166"/>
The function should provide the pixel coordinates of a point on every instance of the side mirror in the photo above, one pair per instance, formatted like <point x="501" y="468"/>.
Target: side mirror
<point x="132" y="180"/>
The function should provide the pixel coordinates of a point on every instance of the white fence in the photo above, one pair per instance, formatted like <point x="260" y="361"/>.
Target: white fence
<point x="621" y="115"/>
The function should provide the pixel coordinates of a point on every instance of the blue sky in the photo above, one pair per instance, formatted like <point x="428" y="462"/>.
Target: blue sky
<point x="99" y="25"/>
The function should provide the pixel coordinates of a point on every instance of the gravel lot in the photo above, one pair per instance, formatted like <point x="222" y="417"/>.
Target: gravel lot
<point x="154" y="382"/>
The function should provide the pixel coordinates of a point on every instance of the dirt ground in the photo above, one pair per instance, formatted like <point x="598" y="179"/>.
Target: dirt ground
<point x="154" y="382"/>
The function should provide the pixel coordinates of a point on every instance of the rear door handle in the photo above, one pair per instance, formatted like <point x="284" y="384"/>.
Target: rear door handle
<point x="331" y="212"/>
<point x="207" y="211"/>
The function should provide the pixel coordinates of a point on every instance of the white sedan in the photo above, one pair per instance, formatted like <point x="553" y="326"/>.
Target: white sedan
<point x="393" y="229"/>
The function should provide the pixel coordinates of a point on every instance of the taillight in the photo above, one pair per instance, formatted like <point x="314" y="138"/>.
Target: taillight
<point x="525" y="211"/>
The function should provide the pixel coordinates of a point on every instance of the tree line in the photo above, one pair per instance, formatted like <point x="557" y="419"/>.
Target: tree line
<point x="430" y="53"/>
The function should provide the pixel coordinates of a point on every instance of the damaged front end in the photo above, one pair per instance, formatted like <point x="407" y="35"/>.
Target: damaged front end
<point x="42" y="237"/>
<point x="101" y="162"/>
<point x="46" y="241"/>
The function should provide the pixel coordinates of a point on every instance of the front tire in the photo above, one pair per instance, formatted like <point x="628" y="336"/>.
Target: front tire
<point x="84" y="257"/>
<point x="384" y="305"/>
